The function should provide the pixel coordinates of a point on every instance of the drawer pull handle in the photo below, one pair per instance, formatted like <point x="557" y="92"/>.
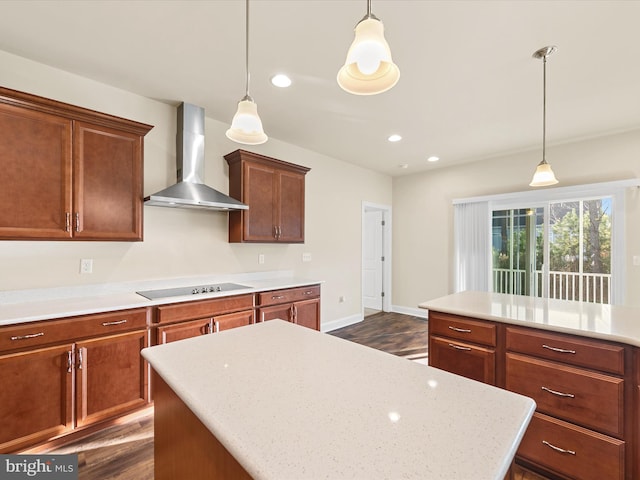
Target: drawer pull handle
<point x="460" y="330"/>
<point x="559" y="350"/>
<point x="80" y="360"/>
<point x="28" y="336"/>
<point x="308" y="292"/>
<point x="458" y="347"/>
<point x="216" y="326"/>
<point x="277" y="297"/>
<point x="117" y="322"/>
<point x="558" y="449"/>
<point x="560" y="394"/>
<point x="69" y="361"/>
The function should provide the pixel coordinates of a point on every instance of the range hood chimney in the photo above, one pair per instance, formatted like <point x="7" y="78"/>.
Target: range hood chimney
<point x="190" y="191"/>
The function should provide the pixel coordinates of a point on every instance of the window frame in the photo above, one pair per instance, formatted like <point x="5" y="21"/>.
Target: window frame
<point x="543" y="197"/>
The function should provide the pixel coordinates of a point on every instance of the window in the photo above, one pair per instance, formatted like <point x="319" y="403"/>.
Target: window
<point x="578" y="246"/>
<point x="563" y="243"/>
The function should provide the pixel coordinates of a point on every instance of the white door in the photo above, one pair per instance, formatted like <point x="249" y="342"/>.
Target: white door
<point x="372" y="253"/>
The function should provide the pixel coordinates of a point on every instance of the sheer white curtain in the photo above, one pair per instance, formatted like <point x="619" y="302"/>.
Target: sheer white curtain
<point x="472" y="250"/>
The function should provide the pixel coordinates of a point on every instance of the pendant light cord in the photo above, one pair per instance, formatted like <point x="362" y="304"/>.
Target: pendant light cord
<point x="544" y="108"/>
<point x="247" y="47"/>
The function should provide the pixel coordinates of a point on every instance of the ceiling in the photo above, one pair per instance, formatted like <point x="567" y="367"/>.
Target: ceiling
<point x="469" y="88"/>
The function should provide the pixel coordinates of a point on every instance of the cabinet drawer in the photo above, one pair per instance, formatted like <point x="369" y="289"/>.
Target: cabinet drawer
<point x="49" y="332"/>
<point x="233" y="320"/>
<point x="571" y="450"/>
<point x="581" y="396"/>
<point x="182" y="330"/>
<point x="290" y="295"/>
<point x="567" y="349"/>
<point x="203" y="308"/>
<point x="462" y="328"/>
<point x="468" y="360"/>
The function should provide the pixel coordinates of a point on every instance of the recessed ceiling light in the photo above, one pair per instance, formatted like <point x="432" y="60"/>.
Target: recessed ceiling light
<point x="433" y="158"/>
<point x="403" y="165"/>
<point x="394" y="138"/>
<point x="281" y="80"/>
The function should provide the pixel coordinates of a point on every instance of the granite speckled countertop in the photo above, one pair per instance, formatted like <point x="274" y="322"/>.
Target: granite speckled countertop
<point x="20" y="306"/>
<point x="292" y="403"/>
<point x="606" y="322"/>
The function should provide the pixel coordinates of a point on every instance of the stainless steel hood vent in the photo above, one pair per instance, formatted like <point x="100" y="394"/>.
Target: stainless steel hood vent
<point x="190" y="191"/>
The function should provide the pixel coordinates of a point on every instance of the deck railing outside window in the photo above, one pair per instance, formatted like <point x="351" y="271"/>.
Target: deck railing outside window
<point x="587" y="287"/>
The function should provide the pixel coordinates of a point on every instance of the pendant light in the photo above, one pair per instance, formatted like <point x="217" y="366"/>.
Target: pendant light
<point x="246" y="126"/>
<point x="369" y="68"/>
<point x="543" y="175"/>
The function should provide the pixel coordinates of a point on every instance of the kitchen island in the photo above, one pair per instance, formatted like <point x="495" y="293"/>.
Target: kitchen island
<point x="579" y="361"/>
<point x="277" y="401"/>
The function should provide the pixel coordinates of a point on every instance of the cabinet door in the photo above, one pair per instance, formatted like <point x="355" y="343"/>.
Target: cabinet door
<point x="260" y="194"/>
<point x="233" y="320"/>
<point x="283" y="312"/>
<point x="307" y="313"/>
<point x="290" y="219"/>
<point x="182" y="330"/>
<point x="36" y="396"/>
<point x="468" y="360"/>
<point x="35" y="184"/>
<point x="111" y="377"/>
<point x="108" y="199"/>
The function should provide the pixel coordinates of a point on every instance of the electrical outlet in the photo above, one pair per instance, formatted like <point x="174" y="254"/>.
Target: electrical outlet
<point x="261" y="259"/>
<point x="86" y="265"/>
<point x="306" y="257"/>
<point x="636" y="260"/>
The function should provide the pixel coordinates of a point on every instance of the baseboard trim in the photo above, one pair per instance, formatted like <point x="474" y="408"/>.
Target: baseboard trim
<point x="340" y="322"/>
<point x="416" y="312"/>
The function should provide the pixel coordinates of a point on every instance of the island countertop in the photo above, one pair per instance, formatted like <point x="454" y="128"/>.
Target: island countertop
<point x="607" y="322"/>
<point x="288" y="402"/>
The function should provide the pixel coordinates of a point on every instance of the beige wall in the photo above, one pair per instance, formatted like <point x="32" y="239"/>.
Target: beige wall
<point x="181" y="242"/>
<point x="423" y="212"/>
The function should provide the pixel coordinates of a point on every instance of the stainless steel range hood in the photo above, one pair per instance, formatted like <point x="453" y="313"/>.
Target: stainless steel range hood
<point x="190" y="191"/>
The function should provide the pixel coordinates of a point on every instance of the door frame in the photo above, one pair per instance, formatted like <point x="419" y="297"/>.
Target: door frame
<point x="386" y="252"/>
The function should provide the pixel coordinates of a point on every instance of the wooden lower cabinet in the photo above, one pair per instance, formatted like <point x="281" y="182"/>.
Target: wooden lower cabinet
<point x="191" y="319"/>
<point x="297" y="305"/>
<point x="203" y="326"/>
<point x="587" y="420"/>
<point x="48" y="391"/>
<point x="36" y="396"/>
<point x="463" y="346"/>
<point x="571" y="450"/>
<point x="111" y="376"/>
<point x="471" y="361"/>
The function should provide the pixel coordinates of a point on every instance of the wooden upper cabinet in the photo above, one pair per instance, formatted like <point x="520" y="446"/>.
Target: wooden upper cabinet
<point x="274" y="190"/>
<point x="68" y="172"/>
<point x="35" y="184"/>
<point x="107" y="183"/>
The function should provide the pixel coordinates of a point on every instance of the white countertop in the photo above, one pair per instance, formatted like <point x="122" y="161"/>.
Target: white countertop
<point x="44" y="304"/>
<point x="607" y="322"/>
<point x="291" y="403"/>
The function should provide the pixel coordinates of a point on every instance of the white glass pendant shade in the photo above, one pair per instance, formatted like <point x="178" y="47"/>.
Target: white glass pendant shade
<point x="543" y="176"/>
<point x="246" y="126"/>
<point x="369" y="68"/>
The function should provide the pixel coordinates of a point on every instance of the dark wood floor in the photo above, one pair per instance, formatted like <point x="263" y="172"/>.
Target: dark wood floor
<point x="402" y="335"/>
<point x="125" y="451"/>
